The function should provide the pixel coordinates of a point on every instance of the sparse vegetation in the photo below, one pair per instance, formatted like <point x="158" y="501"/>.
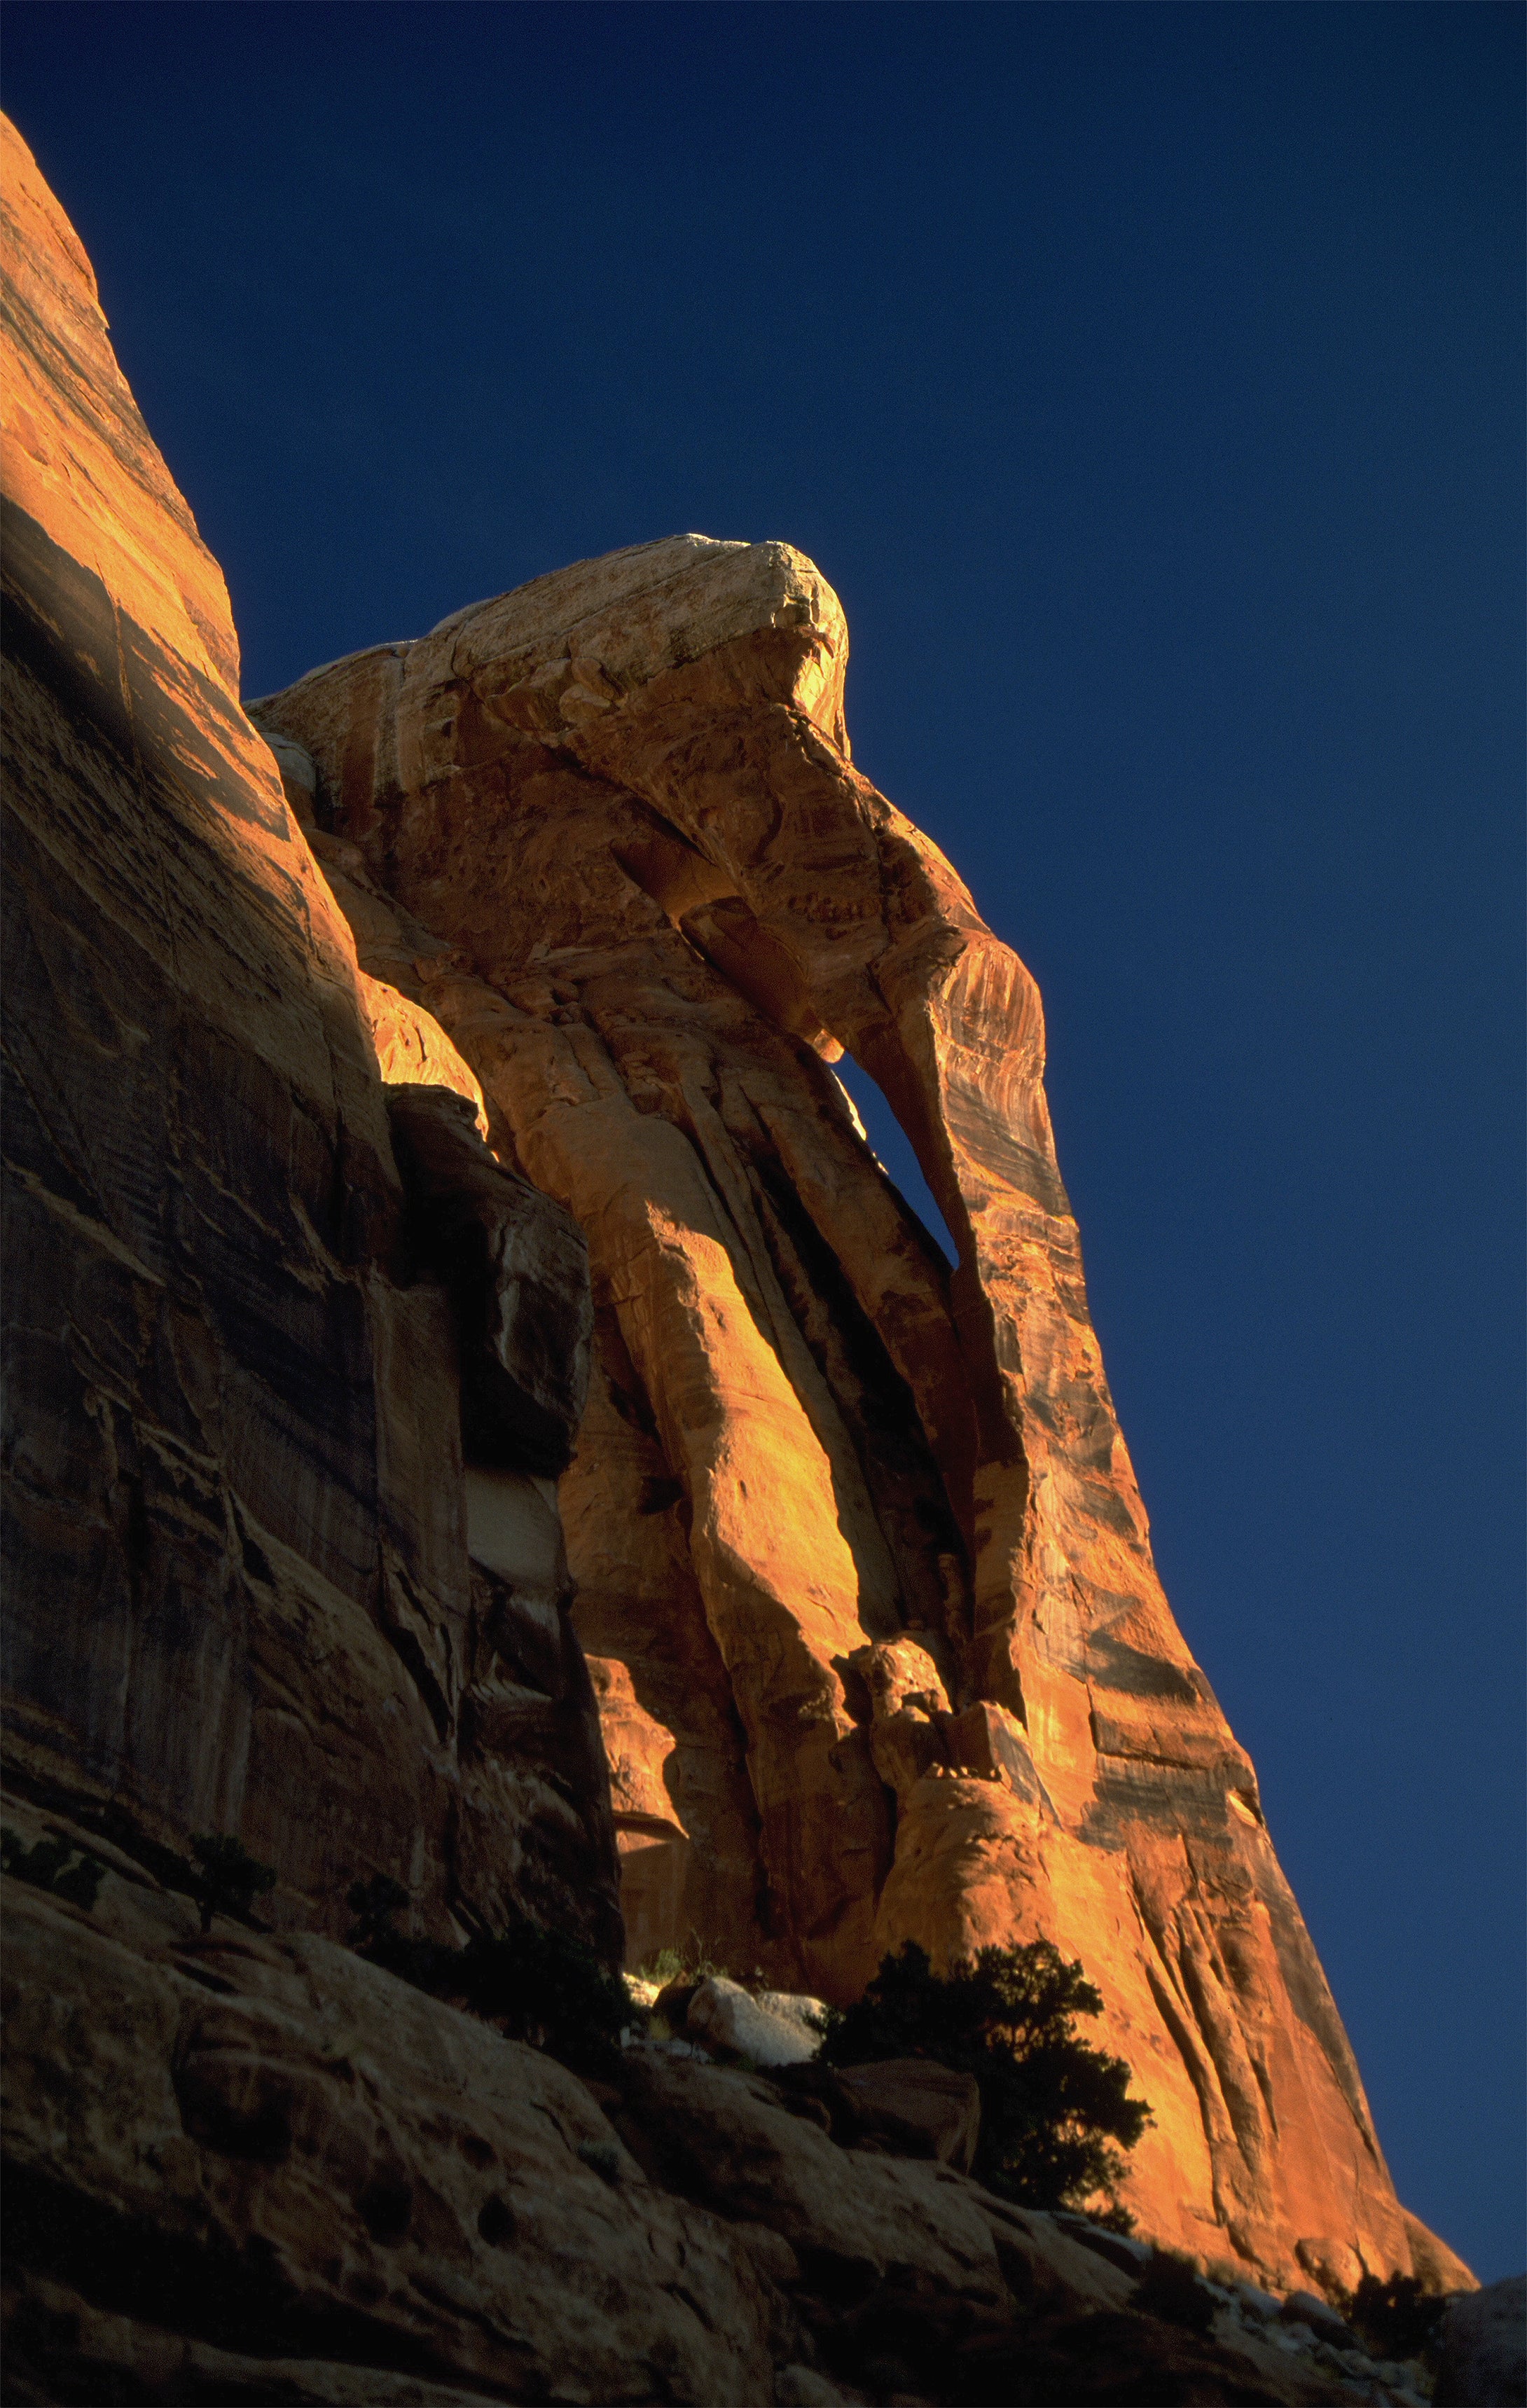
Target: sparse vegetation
<point x="666" y="1967"/>
<point x="539" y="1987"/>
<point x="1396" y="2319"/>
<point x="1054" y="2112"/>
<point x="546" y="1989"/>
<point x="43" y="1865"/>
<point x="673" y="1965"/>
<point x="230" y="1879"/>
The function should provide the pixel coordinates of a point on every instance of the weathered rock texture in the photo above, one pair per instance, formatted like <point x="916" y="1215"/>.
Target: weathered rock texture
<point x="238" y="1593"/>
<point x="294" y="1365"/>
<point x="880" y="1645"/>
<point x="271" y="2172"/>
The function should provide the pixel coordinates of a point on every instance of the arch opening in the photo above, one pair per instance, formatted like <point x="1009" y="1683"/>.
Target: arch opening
<point x="893" y="1149"/>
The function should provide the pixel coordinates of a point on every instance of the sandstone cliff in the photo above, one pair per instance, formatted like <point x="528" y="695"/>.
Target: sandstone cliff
<point x="239" y="1595"/>
<point x="422" y="1142"/>
<point x="861" y="1562"/>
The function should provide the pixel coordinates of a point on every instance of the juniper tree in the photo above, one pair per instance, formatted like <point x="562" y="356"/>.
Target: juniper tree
<point x="1055" y="2112"/>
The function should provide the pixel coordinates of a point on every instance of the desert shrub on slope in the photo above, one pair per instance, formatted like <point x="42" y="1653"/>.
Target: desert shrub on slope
<point x="534" y="1984"/>
<point x="1056" y="2113"/>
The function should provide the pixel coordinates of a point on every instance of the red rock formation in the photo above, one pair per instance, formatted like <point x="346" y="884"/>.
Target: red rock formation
<point x="240" y="1595"/>
<point x="862" y="1570"/>
<point x="634" y="874"/>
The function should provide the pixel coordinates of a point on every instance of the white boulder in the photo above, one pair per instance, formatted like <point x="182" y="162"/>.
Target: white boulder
<point x="770" y="2028"/>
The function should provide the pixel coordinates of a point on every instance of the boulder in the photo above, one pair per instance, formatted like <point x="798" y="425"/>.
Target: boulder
<point x="915" y="2107"/>
<point x="1318" y="2317"/>
<point x="1121" y="2249"/>
<point x="770" y="2027"/>
<point x="856" y="2223"/>
<point x="989" y="1744"/>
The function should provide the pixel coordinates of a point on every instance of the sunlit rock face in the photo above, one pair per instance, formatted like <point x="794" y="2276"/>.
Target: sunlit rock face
<point x="239" y="1594"/>
<point x="376" y="1090"/>
<point x="861" y="1562"/>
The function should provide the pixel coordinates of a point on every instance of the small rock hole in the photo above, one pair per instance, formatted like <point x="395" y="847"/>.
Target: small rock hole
<point x="496" y="2223"/>
<point x="385" y="2207"/>
<point x="659" y="1492"/>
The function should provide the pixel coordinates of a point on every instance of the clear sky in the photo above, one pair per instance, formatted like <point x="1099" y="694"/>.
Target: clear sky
<point x="1147" y="381"/>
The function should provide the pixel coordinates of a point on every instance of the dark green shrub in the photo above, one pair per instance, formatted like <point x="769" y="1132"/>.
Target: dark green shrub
<point x="43" y="1864"/>
<point x="1396" y="2319"/>
<point x="546" y="1989"/>
<point x="230" y="1879"/>
<point x="432" y="1965"/>
<point x="1051" y="2104"/>
<point x="536" y="1985"/>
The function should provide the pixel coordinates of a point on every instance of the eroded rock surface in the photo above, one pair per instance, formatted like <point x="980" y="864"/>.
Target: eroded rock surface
<point x="239" y="1593"/>
<point x="270" y="2151"/>
<point x="272" y="2173"/>
<point x="846" y="1523"/>
<point x="334" y="1053"/>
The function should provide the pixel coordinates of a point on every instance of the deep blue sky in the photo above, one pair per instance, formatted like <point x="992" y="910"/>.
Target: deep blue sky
<point x="1146" y="379"/>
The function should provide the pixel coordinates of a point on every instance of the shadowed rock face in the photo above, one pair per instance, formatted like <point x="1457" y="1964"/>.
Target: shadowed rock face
<point x="239" y="1595"/>
<point x="863" y="1576"/>
<point x="275" y="2174"/>
<point x="607" y="830"/>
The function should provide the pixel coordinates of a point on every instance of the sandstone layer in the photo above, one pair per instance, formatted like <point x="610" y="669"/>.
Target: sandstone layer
<point x="239" y="1593"/>
<point x="427" y="1189"/>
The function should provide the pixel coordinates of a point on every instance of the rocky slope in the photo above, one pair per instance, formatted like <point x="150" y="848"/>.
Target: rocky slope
<point x="274" y="2173"/>
<point x="421" y="1143"/>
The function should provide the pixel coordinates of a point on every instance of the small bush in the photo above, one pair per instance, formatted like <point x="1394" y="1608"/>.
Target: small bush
<point x="543" y="1988"/>
<point x="534" y="1985"/>
<point x="230" y="1879"/>
<point x="42" y="1865"/>
<point x="697" y="1964"/>
<point x="1396" y="2319"/>
<point x="666" y="1967"/>
<point x="1051" y="2104"/>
